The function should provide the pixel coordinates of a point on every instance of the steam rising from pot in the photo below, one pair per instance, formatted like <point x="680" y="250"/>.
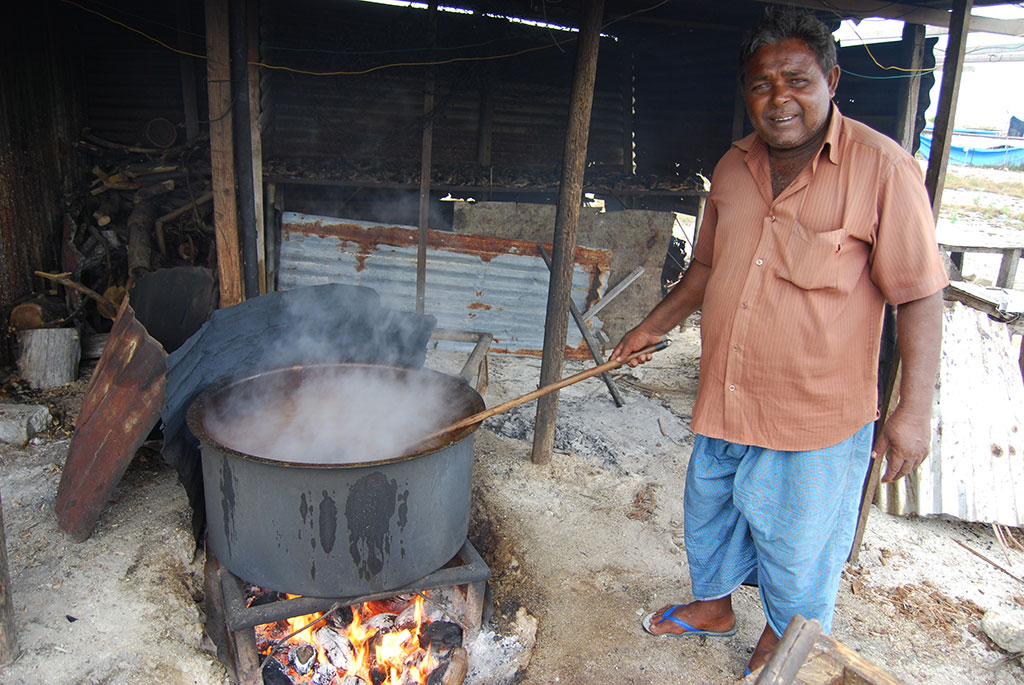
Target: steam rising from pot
<point x="342" y="414"/>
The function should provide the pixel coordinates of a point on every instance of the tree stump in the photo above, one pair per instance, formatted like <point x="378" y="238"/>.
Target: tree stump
<point x="8" y="638"/>
<point x="49" y="357"/>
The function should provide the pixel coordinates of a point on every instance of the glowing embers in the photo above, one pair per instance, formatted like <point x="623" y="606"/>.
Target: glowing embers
<point x="402" y="640"/>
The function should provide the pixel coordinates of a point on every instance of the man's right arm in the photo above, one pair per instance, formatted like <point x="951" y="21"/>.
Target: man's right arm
<point x="683" y="300"/>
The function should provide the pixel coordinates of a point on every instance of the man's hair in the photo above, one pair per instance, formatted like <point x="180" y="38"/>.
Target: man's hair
<point x="781" y="23"/>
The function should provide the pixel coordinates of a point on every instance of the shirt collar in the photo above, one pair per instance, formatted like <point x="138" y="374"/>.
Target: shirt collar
<point x="753" y="143"/>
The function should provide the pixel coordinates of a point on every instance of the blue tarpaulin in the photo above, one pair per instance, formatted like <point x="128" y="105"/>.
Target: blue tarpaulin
<point x="980" y="150"/>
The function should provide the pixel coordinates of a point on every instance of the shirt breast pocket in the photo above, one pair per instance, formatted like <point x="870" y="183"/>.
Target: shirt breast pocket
<point x="810" y="259"/>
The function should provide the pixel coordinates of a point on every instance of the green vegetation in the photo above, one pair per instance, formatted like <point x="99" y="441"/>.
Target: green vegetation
<point x="955" y="181"/>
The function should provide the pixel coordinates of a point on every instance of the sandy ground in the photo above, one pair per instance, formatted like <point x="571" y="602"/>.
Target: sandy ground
<point x="580" y="549"/>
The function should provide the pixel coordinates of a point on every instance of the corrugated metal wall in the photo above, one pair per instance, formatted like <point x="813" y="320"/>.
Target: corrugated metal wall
<point x="685" y="95"/>
<point x="379" y="117"/>
<point x="41" y="115"/>
<point x="131" y="80"/>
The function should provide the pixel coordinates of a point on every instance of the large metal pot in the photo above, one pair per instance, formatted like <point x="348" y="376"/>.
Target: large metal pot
<point x="333" y="530"/>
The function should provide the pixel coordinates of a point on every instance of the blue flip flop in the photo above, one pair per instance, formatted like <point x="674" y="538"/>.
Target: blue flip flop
<point x="690" y="630"/>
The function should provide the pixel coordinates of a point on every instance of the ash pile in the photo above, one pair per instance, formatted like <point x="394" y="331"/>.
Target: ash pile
<point x="625" y="439"/>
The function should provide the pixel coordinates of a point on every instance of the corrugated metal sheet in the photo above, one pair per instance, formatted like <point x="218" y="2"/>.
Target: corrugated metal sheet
<point x="975" y="471"/>
<point x="475" y="283"/>
<point x="131" y="80"/>
<point x="685" y="91"/>
<point x="41" y="115"/>
<point x="378" y="116"/>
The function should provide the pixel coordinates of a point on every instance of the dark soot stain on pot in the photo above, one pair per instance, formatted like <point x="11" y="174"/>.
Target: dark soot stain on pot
<point x="328" y="523"/>
<point x="368" y="512"/>
<point x="227" y="490"/>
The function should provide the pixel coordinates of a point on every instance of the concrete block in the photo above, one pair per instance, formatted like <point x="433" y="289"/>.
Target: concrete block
<point x="19" y="422"/>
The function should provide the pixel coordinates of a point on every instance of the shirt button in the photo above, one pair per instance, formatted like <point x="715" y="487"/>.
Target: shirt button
<point x="759" y="262"/>
<point x="735" y="348"/>
<point x="732" y="388"/>
<point x="772" y="218"/>
<point x="743" y="305"/>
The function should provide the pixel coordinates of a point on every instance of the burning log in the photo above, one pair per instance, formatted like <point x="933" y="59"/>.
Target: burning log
<point x="302" y="658"/>
<point x="339" y="649"/>
<point x="381" y="623"/>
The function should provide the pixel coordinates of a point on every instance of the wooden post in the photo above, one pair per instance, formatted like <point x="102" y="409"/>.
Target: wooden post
<point x="485" y="135"/>
<point x="942" y="137"/>
<point x="913" y="51"/>
<point x="256" y="136"/>
<point x="238" y="35"/>
<point x="428" y="141"/>
<point x="570" y="194"/>
<point x="8" y="636"/>
<point x="225" y="209"/>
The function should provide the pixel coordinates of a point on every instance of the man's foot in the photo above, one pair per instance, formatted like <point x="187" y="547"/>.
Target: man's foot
<point x="763" y="651"/>
<point x="714" y="617"/>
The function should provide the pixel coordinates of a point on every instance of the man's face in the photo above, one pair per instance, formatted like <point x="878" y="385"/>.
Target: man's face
<point x="788" y="95"/>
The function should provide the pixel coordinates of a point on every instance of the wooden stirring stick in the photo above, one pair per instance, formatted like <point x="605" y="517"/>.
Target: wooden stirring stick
<point x="540" y="392"/>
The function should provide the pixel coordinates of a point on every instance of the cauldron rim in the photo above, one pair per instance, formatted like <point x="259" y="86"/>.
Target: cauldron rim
<point x="199" y="403"/>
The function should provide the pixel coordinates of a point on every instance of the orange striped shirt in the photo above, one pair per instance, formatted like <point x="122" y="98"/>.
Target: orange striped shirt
<point x="792" y="314"/>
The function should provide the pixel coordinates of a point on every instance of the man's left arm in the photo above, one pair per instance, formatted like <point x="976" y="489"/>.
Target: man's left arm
<point x="906" y="434"/>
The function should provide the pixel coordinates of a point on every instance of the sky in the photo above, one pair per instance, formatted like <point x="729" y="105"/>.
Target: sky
<point x="991" y="84"/>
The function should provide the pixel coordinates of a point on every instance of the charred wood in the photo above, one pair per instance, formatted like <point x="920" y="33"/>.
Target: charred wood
<point x="92" y="346"/>
<point x="440" y="635"/>
<point x="140" y="251"/>
<point x="274" y="674"/>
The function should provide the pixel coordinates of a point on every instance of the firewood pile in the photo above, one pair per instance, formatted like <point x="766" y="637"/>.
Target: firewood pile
<point x="143" y="209"/>
<point x="466" y="175"/>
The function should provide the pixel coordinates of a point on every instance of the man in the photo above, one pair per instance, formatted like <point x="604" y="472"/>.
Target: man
<point x="813" y="222"/>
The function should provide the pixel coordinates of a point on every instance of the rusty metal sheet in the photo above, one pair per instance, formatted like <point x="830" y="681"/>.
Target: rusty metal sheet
<point x="121" y="406"/>
<point x="473" y="282"/>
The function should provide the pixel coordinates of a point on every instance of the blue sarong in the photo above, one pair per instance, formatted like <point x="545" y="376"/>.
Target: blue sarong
<point x="782" y="520"/>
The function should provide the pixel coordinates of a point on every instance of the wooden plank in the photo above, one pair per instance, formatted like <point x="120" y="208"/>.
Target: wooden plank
<point x="1008" y="268"/>
<point x="856" y="669"/>
<point x="570" y="193"/>
<point x="121" y="406"/>
<point x="790" y="654"/>
<point x="952" y="67"/>
<point x="225" y="205"/>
